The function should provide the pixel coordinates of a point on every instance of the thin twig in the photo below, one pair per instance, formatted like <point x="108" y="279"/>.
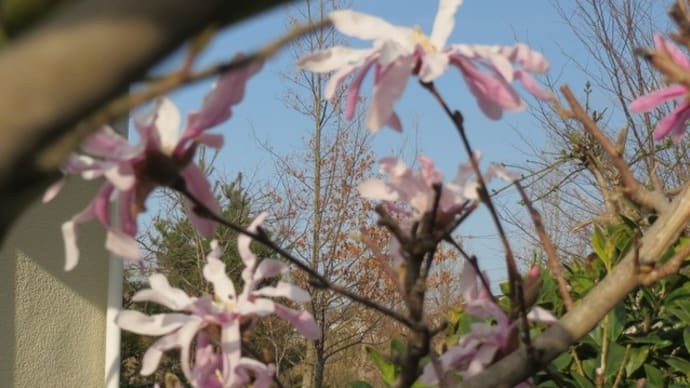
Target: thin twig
<point x="126" y="102"/>
<point x="635" y="190"/>
<point x="516" y="291"/>
<point x="671" y="267"/>
<point x="621" y="368"/>
<point x="553" y="262"/>
<point x="472" y="260"/>
<point x="318" y="280"/>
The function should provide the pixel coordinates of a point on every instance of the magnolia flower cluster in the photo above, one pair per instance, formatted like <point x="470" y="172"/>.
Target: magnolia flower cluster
<point x="415" y="190"/>
<point x="482" y="345"/>
<point x="399" y="52"/>
<point x="163" y="157"/>
<point x="216" y="321"/>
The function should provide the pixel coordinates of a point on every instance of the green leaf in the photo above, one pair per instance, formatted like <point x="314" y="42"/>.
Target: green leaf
<point x="679" y="364"/>
<point x="398" y="346"/>
<point x="360" y="384"/>
<point x="385" y="367"/>
<point x="614" y="360"/>
<point x="599" y="245"/>
<point x="637" y="358"/>
<point x="681" y="312"/>
<point x="589" y="366"/>
<point x="617" y="321"/>
<point x="686" y="338"/>
<point x="563" y="361"/>
<point x="582" y="382"/>
<point x="655" y="377"/>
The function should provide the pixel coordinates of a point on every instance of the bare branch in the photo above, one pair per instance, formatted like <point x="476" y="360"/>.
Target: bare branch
<point x="67" y="68"/>
<point x="592" y="308"/>
<point x="633" y="188"/>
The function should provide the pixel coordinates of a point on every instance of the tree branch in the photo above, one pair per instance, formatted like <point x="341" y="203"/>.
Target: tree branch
<point x="62" y="71"/>
<point x="584" y="316"/>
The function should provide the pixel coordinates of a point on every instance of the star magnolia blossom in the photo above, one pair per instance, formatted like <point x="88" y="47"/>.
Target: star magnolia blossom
<point x="216" y="321"/>
<point x="163" y="157"/>
<point x="415" y="189"/>
<point x="674" y="123"/>
<point x="398" y="52"/>
<point x="478" y="349"/>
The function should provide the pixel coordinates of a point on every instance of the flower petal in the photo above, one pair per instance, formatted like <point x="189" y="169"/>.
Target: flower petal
<point x="200" y="188"/>
<point x="433" y="66"/>
<point x="531" y="85"/>
<point x="674" y="123"/>
<point x="214" y="272"/>
<point x="182" y="339"/>
<point x="377" y="189"/>
<point x="387" y="90"/>
<point x="167" y="125"/>
<point x="367" y="27"/>
<point x="333" y="58"/>
<point x="158" y="324"/>
<point x="538" y="314"/>
<point x="353" y="92"/>
<point x="69" y="235"/>
<point x="122" y="245"/>
<point x="162" y="293"/>
<point x="672" y="49"/>
<point x="285" y="290"/>
<point x="53" y="190"/>
<point x="269" y="268"/>
<point x="444" y="22"/>
<point x="301" y="320"/>
<point x="227" y="92"/>
<point x="243" y="242"/>
<point x="653" y="99"/>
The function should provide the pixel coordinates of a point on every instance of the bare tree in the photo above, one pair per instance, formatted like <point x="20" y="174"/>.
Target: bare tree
<point x="573" y="180"/>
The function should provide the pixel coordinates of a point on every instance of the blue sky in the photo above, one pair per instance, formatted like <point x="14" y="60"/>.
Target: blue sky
<point x="263" y="116"/>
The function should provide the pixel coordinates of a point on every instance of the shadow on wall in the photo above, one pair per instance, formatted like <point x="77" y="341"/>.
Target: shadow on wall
<point x="52" y="322"/>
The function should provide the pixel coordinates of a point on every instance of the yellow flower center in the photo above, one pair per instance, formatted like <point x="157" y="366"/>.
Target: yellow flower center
<point x="423" y="40"/>
<point x="226" y="304"/>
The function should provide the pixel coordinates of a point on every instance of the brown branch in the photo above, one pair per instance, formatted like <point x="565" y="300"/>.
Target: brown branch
<point x="585" y="315"/>
<point x="317" y="279"/>
<point x="671" y="267"/>
<point x="514" y="277"/>
<point x="68" y="67"/>
<point x="635" y="190"/>
<point x="552" y="256"/>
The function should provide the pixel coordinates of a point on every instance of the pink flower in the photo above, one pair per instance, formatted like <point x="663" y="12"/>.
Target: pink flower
<point x="674" y="123"/>
<point x="415" y="189"/>
<point x="215" y="321"/>
<point x="398" y="52"/>
<point x="479" y="348"/>
<point x="162" y="158"/>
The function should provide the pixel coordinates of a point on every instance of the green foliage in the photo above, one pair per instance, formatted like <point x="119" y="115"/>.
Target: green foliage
<point x="644" y="337"/>
<point x="387" y="366"/>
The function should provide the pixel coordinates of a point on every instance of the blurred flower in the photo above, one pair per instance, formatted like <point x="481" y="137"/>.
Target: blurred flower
<point x="215" y="321"/>
<point x="415" y="189"/>
<point x="163" y="157"/>
<point x="480" y="347"/>
<point x="399" y="52"/>
<point x="674" y="123"/>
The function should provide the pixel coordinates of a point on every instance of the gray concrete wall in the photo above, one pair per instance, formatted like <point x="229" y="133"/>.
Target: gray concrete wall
<point x="52" y="322"/>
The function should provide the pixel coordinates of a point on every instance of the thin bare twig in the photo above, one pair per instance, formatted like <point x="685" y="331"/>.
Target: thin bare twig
<point x="515" y="280"/>
<point x="318" y="280"/>
<point x="635" y="190"/>
<point x="671" y="267"/>
<point x="552" y="256"/>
